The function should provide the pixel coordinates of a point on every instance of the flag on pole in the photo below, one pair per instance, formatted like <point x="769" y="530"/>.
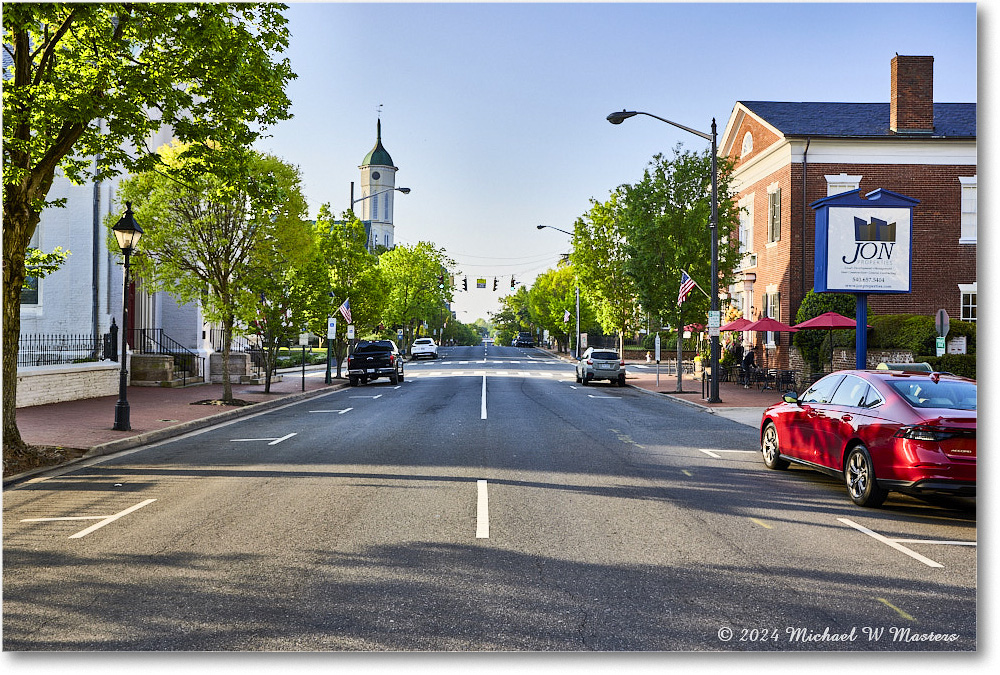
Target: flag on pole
<point x="687" y="285"/>
<point x="345" y="309"/>
<point x="566" y="316"/>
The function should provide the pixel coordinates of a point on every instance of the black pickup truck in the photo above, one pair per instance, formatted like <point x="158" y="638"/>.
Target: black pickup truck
<point x="373" y="359"/>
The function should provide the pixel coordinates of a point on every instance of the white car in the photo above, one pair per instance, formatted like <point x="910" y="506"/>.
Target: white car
<point x="423" y="347"/>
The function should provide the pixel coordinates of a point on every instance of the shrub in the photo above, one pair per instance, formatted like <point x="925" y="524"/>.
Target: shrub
<point x="916" y="333"/>
<point x="958" y="364"/>
<point x="814" y="345"/>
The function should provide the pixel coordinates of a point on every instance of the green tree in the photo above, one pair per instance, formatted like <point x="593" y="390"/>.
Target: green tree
<point x="96" y="80"/>
<point x="270" y="309"/>
<point x="413" y="274"/>
<point x="814" y="345"/>
<point x="345" y="270"/>
<point x="665" y="220"/>
<point x="600" y="258"/>
<point x="209" y="233"/>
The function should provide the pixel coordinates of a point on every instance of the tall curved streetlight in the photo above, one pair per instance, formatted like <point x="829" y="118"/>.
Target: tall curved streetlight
<point x="404" y="190"/>
<point x="577" y="344"/>
<point x="714" y="318"/>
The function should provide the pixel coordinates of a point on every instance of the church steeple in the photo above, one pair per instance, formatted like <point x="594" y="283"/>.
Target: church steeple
<point x="378" y="155"/>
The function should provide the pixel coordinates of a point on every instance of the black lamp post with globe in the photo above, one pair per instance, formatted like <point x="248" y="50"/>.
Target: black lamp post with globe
<point x="127" y="232"/>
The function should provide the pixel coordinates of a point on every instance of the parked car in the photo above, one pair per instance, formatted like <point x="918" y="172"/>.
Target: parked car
<point x="373" y="359"/>
<point x="879" y="431"/>
<point x="423" y="347"/>
<point x="600" y="364"/>
<point x="524" y="339"/>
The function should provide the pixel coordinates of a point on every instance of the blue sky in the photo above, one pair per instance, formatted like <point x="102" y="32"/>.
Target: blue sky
<point x="495" y="113"/>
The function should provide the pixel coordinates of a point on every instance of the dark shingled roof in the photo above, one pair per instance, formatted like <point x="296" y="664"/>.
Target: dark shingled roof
<point x="858" y="120"/>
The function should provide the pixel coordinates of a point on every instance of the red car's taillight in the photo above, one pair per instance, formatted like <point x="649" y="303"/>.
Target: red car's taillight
<point x="920" y="432"/>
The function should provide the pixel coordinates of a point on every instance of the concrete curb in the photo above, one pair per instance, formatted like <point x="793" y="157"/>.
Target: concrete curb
<point x="173" y="431"/>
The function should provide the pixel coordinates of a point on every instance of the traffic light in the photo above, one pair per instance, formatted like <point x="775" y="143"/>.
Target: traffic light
<point x="494" y="283"/>
<point x="440" y="281"/>
<point x="465" y="283"/>
<point x="512" y="283"/>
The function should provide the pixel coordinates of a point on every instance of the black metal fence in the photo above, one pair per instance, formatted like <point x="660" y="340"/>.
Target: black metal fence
<point x="155" y="341"/>
<point x="44" y="349"/>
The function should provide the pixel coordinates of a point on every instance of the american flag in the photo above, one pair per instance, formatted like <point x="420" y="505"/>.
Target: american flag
<point x="566" y="316"/>
<point x="345" y="309"/>
<point x="687" y="285"/>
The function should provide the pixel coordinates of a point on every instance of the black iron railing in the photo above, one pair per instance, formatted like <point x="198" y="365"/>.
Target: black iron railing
<point x="240" y="344"/>
<point x="155" y="341"/>
<point x="48" y="349"/>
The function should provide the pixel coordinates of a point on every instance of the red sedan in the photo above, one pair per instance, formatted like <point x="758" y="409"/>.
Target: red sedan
<point x="880" y="431"/>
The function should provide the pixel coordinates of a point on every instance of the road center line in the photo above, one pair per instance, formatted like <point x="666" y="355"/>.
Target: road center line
<point x="482" y="511"/>
<point x="890" y="542"/>
<point x="482" y="410"/>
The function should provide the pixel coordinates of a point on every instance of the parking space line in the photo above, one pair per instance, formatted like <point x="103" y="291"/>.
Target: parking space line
<point x="761" y="523"/>
<point x="891" y="543"/>
<point x="104" y="520"/>
<point x="905" y="615"/>
<point x="711" y="453"/>
<point x="482" y="410"/>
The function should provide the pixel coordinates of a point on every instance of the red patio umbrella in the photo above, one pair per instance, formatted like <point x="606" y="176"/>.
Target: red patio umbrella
<point x="771" y="326"/>
<point x="830" y="321"/>
<point x="767" y="324"/>
<point x="739" y="324"/>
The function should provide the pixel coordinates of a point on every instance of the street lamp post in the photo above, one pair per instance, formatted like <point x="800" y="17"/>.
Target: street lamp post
<point x="127" y="232"/>
<point x="577" y="346"/>
<point x="618" y="118"/>
<point x="404" y="190"/>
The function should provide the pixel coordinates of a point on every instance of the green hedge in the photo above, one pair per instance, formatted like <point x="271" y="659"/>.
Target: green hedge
<point x="916" y="333"/>
<point x="957" y="364"/>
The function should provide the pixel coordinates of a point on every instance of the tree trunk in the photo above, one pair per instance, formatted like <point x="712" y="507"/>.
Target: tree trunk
<point x="227" y="337"/>
<point x="17" y="229"/>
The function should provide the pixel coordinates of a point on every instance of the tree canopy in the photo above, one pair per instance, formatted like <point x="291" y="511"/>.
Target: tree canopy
<point x="87" y="84"/>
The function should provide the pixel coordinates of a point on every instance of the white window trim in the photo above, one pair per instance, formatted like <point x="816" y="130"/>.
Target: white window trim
<point x="747" y="147"/>
<point x="840" y="183"/>
<point x="969" y="182"/>
<point x="771" y="189"/>
<point x="769" y="291"/>
<point x="964" y="289"/>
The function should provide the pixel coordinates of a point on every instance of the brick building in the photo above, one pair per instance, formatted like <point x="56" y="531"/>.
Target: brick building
<point x="790" y="154"/>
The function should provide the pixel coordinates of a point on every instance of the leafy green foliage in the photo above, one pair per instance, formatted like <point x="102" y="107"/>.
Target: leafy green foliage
<point x="411" y="273"/>
<point x="39" y="264"/>
<point x="916" y="333"/>
<point x="226" y="235"/>
<point x="91" y="83"/>
<point x="814" y="345"/>
<point x="600" y="259"/>
<point x="665" y="220"/>
<point x="957" y="364"/>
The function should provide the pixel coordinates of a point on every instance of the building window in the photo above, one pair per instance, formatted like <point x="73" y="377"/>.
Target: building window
<point x="968" y="292"/>
<point x="841" y="183"/>
<point x="969" y="211"/>
<point x="746" y="233"/>
<point x="29" y="292"/>
<point x="385" y="205"/>
<point x="747" y="144"/>
<point x="773" y="215"/>
<point x="387" y="240"/>
<point x="772" y="309"/>
<point x="374" y="208"/>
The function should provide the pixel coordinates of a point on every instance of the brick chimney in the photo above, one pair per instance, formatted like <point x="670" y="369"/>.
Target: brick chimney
<point x="911" y="106"/>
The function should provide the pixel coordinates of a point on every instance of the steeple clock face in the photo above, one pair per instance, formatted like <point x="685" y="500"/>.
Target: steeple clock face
<point x="376" y="175"/>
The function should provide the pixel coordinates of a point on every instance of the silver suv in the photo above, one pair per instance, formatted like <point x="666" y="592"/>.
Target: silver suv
<point x="600" y="364"/>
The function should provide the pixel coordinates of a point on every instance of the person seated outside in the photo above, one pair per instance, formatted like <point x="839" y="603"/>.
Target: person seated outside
<point x="749" y="369"/>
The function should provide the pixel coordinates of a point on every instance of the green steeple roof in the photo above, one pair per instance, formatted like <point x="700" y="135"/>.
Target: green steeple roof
<point x="378" y="154"/>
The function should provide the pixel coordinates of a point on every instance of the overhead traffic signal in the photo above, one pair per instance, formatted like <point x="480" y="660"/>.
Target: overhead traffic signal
<point x="512" y="283"/>
<point x="440" y="281"/>
<point x="494" y="283"/>
<point x="465" y="283"/>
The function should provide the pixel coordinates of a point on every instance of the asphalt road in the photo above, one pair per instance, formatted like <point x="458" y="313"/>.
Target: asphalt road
<point x="487" y="502"/>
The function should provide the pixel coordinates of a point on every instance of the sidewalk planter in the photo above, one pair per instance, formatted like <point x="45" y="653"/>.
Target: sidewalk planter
<point x="239" y="367"/>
